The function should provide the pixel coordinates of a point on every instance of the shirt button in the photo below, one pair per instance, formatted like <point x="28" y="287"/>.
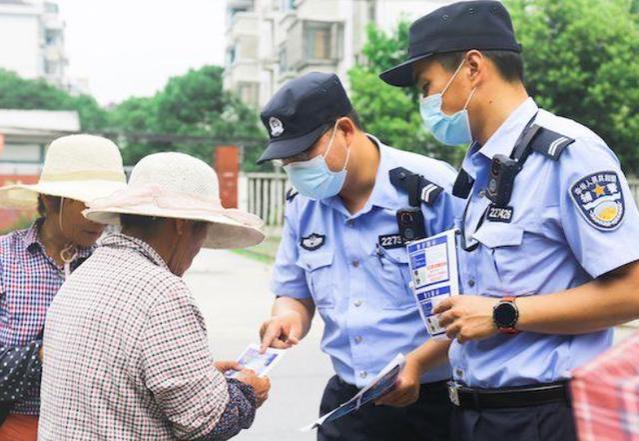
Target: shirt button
<point x="471" y="283"/>
<point x="363" y="374"/>
<point x="482" y="193"/>
<point x="356" y="263"/>
<point x="350" y="222"/>
<point x="357" y="303"/>
<point x="359" y="339"/>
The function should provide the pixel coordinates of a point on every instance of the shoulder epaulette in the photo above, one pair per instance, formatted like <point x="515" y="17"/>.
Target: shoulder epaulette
<point x="417" y="187"/>
<point x="550" y="143"/>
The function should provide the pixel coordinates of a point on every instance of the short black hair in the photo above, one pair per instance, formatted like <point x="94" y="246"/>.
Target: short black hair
<point x="148" y="223"/>
<point x="510" y="64"/>
<point x="128" y="221"/>
<point x="55" y="202"/>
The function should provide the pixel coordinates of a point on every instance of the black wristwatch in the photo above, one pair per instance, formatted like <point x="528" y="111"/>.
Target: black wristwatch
<point x="506" y="315"/>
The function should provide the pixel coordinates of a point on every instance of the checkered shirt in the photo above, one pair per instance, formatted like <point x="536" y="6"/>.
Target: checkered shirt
<point x="29" y="279"/>
<point x="606" y="395"/>
<point x="127" y="356"/>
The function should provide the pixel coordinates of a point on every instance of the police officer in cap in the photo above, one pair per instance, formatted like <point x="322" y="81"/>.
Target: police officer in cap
<point x="342" y="253"/>
<point x="549" y="235"/>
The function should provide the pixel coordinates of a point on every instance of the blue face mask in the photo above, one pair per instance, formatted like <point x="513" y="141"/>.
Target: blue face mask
<point x="314" y="179"/>
<point x="448" y="129"/>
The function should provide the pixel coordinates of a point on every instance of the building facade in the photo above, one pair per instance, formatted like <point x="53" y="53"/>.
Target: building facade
<point x="33" y="41"/>
<point x="271" y="41"/>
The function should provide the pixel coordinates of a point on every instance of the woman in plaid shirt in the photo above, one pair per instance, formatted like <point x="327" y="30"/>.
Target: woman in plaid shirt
<point x="127" y="353"/>
<point x="34" y="264"/>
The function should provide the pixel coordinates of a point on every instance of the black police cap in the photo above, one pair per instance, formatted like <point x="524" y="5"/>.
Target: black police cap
<point x="463" y="26"/>
<point x="300" y="112"/>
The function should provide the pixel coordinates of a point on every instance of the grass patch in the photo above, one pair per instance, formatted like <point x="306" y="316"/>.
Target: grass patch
<point x="264" y="252"/>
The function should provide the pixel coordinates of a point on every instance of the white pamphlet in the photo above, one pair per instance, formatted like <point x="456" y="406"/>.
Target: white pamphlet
<point x="433" y="267"/>
<point x="261" y="364"/>
<point x="382" y="384"/>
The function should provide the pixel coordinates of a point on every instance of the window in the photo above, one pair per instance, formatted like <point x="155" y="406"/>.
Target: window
<point x="287" y="5"/>
<point x="318" y="41"/>
<point x="282" y="56"/>
<point x="51" y="37"/>
<point x="313" y="42"/>
<point x="230" y="56"/>
<point x="248" y="92"/>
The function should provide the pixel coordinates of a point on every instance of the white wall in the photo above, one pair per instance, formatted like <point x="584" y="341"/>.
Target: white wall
<point x="20" y="47"/>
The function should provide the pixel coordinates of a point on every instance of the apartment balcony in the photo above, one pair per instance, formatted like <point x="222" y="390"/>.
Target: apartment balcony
<point x="241" y="71"/>
<point x="242" y="24"/>
<point x="312" y="43"/>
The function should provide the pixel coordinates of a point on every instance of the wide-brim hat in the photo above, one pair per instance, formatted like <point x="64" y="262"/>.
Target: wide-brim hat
<point x="179" y="186"/>
<point x="80" y="167"/>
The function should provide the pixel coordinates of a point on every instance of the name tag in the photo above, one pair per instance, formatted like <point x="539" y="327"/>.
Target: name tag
<point x="500" y="214"/>
<point x="391" y="241"/>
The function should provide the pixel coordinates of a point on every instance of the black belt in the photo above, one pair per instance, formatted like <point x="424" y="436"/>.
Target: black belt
<point x="470" y="398"/>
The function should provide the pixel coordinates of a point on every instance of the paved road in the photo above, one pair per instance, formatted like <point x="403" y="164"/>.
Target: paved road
<point x="232" y="292"/>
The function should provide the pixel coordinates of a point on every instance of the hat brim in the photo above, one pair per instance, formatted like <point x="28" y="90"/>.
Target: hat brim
<point x="403" y="75"/>
<point x="223" y="232"/>
<point x="25" y="197"/>
<point x="285" y="148"/>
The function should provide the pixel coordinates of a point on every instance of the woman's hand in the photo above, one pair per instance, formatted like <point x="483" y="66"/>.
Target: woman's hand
<point x="225" y="366"/>
<point x="261" y="385"/>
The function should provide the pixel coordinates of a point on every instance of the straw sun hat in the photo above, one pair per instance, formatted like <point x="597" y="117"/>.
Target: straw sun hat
<point x="179" y="186"/>
<point x="80" y="167"/>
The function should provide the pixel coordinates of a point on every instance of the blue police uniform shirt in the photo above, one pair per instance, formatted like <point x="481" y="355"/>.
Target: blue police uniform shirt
<point x="574" y="219"/>
<point x="360" y="289"/>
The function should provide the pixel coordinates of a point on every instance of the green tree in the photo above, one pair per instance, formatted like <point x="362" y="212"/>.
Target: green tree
<point x="25" y="94"/>
<point x="191" y="105"/>
<point x="135" y="116"/>
<point x="389" y="112"/>
<point x="582" y="62"/>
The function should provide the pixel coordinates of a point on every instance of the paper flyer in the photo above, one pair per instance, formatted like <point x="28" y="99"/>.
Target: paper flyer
<point x="434" y="272"/>
<point x="260" y="363"/>
<point x="383" y="383"/>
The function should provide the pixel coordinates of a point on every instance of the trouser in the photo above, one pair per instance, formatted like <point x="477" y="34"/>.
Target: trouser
<point x="19" y="428"/>
<point x="427" y="419"/>
<point x="529" y="413"/>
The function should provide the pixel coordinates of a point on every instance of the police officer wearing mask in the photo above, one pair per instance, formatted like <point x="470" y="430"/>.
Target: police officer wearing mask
<point x="549" y="235"/>
<point x="342" y="253"/>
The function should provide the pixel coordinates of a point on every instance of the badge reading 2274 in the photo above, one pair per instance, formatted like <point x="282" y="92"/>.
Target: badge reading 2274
<point x="600" y="199"/>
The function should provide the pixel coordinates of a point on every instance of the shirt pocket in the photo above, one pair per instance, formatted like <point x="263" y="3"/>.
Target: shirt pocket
<point x="319" y="276"/>
<point x="508" y="262"/>
<point x="393" y="278"/>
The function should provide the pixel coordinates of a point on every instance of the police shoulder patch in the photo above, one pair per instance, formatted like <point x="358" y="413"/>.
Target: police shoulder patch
<point x="600" y="200"/>
<point x="313" y="241"/>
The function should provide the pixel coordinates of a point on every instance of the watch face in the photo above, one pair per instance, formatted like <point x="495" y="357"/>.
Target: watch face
<point x="505" y="315"/>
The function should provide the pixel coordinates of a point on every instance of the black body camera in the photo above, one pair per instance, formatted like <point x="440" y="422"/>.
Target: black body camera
<point x="503" y="171"/>
<point x="411" y="224"/>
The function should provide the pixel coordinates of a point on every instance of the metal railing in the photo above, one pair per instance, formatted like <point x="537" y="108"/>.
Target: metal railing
<point x="267" y="196"/>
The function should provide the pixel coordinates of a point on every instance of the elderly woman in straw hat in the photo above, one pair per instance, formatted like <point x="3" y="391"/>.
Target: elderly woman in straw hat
<point x="127" y="354"/>
<point x="35" y="262"/>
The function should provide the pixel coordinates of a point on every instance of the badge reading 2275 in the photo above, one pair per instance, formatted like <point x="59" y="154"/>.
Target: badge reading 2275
<point x="600" y="199"/>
